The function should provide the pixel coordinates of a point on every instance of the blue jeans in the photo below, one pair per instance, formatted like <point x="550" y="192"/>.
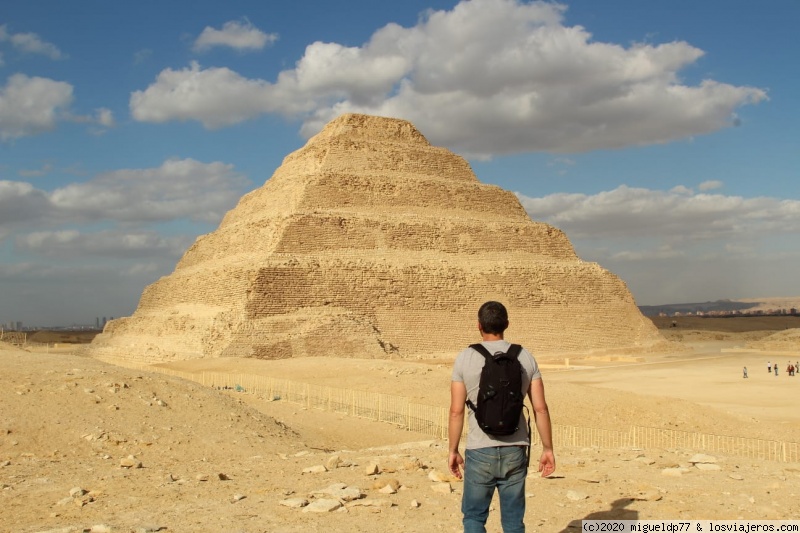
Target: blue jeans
<point x="503" y="468"/>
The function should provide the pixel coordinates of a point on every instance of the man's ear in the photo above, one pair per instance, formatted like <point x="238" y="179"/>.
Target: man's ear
<point x="479" y="326"/>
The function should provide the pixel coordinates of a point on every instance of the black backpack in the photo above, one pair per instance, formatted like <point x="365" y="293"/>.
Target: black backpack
<point x="500" y="396"/>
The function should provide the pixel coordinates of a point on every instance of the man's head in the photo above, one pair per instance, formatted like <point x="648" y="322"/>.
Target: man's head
<point x="493" y="318"/>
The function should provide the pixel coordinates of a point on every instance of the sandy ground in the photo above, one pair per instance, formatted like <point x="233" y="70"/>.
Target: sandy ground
<point x="224" y="461"/>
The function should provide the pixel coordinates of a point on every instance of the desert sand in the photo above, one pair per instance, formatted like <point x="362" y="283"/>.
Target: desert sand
<point x="89" y="446"/>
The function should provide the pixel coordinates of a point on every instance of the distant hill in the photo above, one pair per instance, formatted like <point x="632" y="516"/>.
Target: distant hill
<point x="748" y="305"/>
<point x="704" y="307"/>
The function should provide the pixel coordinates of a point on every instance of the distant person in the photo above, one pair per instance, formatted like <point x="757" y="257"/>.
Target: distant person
<point x="769" y="367"/>
<point x="495" y="462"/>
<point x="775" y="368"/>
<point x="744" y="372"/>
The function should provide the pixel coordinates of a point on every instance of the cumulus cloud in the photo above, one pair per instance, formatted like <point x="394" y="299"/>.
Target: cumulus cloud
<point x="30" y="43"/>
<point x="241" y="35"/>
<point x="111" y="243"/>
<point x="487" y="77"/>
<point x="179" y="188"/>
<point x="216" y="97"/>
<point x="32" y="105"/>
<point x="680" y="245"/>
<point x="20" y="202"/>
<point x="628" y="213"/>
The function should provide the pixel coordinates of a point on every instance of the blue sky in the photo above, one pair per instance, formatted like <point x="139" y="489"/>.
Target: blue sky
<point x="662" y="137"/>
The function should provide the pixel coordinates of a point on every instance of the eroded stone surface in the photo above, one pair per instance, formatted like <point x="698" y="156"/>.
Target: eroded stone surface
<point x="356" y="240"/>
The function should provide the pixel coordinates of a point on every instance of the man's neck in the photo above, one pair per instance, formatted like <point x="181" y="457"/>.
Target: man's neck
<point x="491" y="336"/>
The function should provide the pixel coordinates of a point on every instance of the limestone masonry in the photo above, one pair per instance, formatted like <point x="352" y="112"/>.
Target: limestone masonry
<point x="369" y="242"/>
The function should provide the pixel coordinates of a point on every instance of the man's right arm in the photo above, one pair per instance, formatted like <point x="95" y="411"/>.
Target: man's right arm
<point x="541" y="414"/>
<point x="455" y="424"/>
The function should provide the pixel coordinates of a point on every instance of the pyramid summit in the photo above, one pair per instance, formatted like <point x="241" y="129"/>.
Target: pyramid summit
<point x="369" y="242"/>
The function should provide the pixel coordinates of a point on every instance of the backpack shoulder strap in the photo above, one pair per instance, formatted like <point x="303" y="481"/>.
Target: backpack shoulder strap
<point x="514" y="350"/>
<point x="481" y="349"/>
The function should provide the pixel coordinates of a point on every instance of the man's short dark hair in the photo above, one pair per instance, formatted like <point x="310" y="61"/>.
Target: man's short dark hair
<point x="493" y="318"/>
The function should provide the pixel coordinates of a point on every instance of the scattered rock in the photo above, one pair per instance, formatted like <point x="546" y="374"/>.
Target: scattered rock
<point x="576" y="496"/>
<point x="436" y="476"/>
<point x="322" y="506"/>
<point x="340" y="491"/>
<point x="707" y="466"/>
<point x="370" y="502"/>
<point x="383" y="483"/>
<point x="388" y="489"/>
<point x="372" y="469"/>
<point x="130" y="462"/>
<point x="316" y="469"/>
<point x="647" y="495"/>
<point x="294" y="503"/>
<point x="702" y="458"/>
<point x="443" y="487"/>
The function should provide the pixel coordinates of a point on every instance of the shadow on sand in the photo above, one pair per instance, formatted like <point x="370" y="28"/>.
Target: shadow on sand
<point x="618" y="511"/>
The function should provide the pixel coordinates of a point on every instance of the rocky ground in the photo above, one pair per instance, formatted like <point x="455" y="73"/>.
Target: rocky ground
<point x="88" y="446"/>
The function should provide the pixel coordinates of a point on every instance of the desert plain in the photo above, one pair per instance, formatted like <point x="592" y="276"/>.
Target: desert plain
<point x="86" y="445"/>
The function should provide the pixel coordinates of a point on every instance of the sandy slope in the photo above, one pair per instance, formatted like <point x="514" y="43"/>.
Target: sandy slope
<point x="69" y="422"/>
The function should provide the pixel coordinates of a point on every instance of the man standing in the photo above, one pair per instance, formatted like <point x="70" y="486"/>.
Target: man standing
<point x="495" y="462"/>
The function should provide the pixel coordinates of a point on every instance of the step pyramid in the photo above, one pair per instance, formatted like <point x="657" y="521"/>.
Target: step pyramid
<point x="369" y="242"/>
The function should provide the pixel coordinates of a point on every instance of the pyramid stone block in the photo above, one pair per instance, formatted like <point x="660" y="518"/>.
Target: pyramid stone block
<point x="369" y="242"/>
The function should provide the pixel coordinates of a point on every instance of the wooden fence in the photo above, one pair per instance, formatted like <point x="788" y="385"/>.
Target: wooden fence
<point x="432" y="421"/>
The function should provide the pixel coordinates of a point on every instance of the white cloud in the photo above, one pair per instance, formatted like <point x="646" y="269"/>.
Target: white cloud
<point x="239" y="35"/>
<point x="30" y="43"/>
<point x="626" y="214"/>
<point x="110" y="243"/>
<point x="681" y="246"/>
<point x="31" y="105"/>
<point x="179" y="188"/>
<point x="20" y="202"/>
<point x="487" y="77"/>
<point x="216" y="97"/>
<point x="104" y="117"/>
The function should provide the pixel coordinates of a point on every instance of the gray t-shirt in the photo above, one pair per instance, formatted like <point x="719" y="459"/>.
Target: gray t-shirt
<point x="467" y="369"/>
